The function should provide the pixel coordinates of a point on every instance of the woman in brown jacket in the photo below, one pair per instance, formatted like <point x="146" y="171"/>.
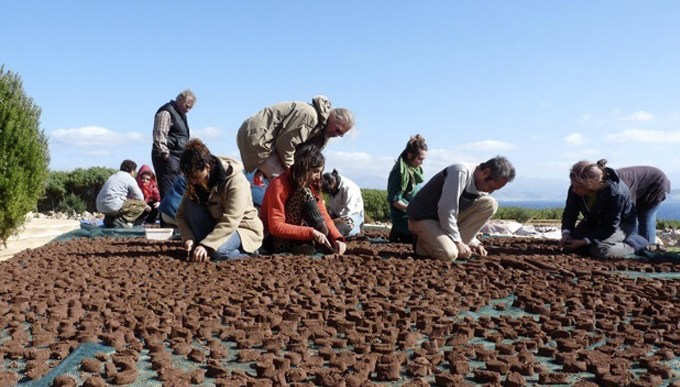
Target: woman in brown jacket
<point x="216" y="217"/>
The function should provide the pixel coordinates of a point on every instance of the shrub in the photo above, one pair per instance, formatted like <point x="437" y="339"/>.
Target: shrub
<point x="662" y="224"/>
<point x="55" y="191"/>
<point x="522" y="215"/>
<point x="83" y="183"/>
<point x="376" y="208"/>
<point x="24" y="154"/>
<point x="72" y="204"/>
<point x="518" y="214"/>
<point x="87" y="183"/>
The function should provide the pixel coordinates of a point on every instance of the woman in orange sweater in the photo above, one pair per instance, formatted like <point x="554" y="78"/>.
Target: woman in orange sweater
<point x="293" y="212"/>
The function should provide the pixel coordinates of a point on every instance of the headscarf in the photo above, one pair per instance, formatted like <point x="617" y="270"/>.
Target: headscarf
<point x="150" y="190"/>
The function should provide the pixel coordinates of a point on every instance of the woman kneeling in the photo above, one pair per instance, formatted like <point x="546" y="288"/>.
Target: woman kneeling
<point x="293" y="212"/>
<point x="216" y="217"/>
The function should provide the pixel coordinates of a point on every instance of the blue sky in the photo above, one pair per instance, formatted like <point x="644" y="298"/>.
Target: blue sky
<point x="544" y="83"/>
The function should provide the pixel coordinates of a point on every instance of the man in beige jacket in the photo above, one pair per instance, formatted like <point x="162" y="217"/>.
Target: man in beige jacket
<point x="216" y="218"/>
<point x="267" y="139"/>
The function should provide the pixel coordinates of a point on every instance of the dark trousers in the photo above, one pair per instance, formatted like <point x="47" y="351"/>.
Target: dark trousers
<point x="166" y="172"/>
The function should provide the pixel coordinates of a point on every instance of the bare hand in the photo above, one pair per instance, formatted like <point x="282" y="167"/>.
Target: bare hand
<point x="156" y="204"/>
<point x="464" y="250"/>
<point x="479" y="250"/>
<point x="340" y="247"/>
<point x="147" y="208"/>
<point x="320" y="238"/>
<point x="565" y="240"/>
<point x="188" y="245"/>
<point x="573" y="244"/>
<point x="200" y="254"/>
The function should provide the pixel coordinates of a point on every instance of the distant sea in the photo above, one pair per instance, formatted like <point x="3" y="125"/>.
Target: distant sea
<point x="669" y="210"/>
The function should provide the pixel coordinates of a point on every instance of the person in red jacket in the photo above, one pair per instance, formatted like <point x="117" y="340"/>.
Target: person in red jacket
<point x="293" y="212"/>
<point x="146" y="180"/>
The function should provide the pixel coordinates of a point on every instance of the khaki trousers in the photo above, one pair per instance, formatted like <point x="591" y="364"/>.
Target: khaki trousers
<point x="433" y="242"/>
<point x="271" y="166"/>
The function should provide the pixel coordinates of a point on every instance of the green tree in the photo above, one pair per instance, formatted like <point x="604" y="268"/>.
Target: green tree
<point x="55" y="191"/>
<point x="24" y="154"/>
<point x="86" y="183"/>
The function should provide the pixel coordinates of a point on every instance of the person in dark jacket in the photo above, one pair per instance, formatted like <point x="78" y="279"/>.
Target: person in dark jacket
<point x="648" y="188"/>
<point x="607" y="229"/>
<point x="170" y="137"/>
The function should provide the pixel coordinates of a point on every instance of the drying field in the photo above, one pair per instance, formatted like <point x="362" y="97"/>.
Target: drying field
<point x="525" y="314"/>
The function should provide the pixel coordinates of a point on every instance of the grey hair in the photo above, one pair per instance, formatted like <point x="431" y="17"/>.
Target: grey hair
<point x="184" y="94"/>
<point x="500" y="167"/>
<point x="344" y="116"/>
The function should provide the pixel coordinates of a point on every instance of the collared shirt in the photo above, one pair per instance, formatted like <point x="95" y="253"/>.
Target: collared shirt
<point x="161" y="128"/>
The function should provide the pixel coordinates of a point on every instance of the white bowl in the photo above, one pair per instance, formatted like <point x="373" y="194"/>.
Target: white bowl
<point x="159" y="233"/>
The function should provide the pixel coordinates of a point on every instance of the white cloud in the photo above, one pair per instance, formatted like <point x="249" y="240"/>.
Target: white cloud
<point x="366" y="170"/>
<point x="639" y="135"/>
<point x="93" y="136"/>
<point x="361" y="158"/>
<point x="575" y="139"/>
<point x="488" y="146"/>
<point x="639" y="116"/>
<point x="209" y="133"/>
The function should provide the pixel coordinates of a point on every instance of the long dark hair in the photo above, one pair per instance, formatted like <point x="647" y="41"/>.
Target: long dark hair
<point x="307" y="158"/>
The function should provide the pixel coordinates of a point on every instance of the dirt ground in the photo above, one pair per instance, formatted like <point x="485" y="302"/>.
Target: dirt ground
<point x="526" y="314"/>
<point x="35" y="233"/>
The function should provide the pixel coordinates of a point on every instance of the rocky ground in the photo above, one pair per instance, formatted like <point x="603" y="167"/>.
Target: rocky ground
<point x="525" y="314"/>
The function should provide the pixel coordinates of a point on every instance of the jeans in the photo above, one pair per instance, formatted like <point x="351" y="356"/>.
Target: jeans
<point x="201" y="224"/>
<point x="646" y="223"/>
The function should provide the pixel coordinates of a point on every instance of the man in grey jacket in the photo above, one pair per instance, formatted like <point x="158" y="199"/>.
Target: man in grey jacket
<point x="448" y="212"/>
<point x="267" y="139"/>
<point x="120" y="199"/>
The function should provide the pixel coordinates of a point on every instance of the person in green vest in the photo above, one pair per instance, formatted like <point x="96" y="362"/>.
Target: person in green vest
<point x="403" y="183"/>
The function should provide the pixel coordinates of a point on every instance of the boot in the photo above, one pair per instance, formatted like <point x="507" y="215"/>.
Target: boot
<point x="108" y="221"/>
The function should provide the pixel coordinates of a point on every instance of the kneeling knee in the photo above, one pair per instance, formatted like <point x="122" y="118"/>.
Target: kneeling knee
<point x="445" y="255"/>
